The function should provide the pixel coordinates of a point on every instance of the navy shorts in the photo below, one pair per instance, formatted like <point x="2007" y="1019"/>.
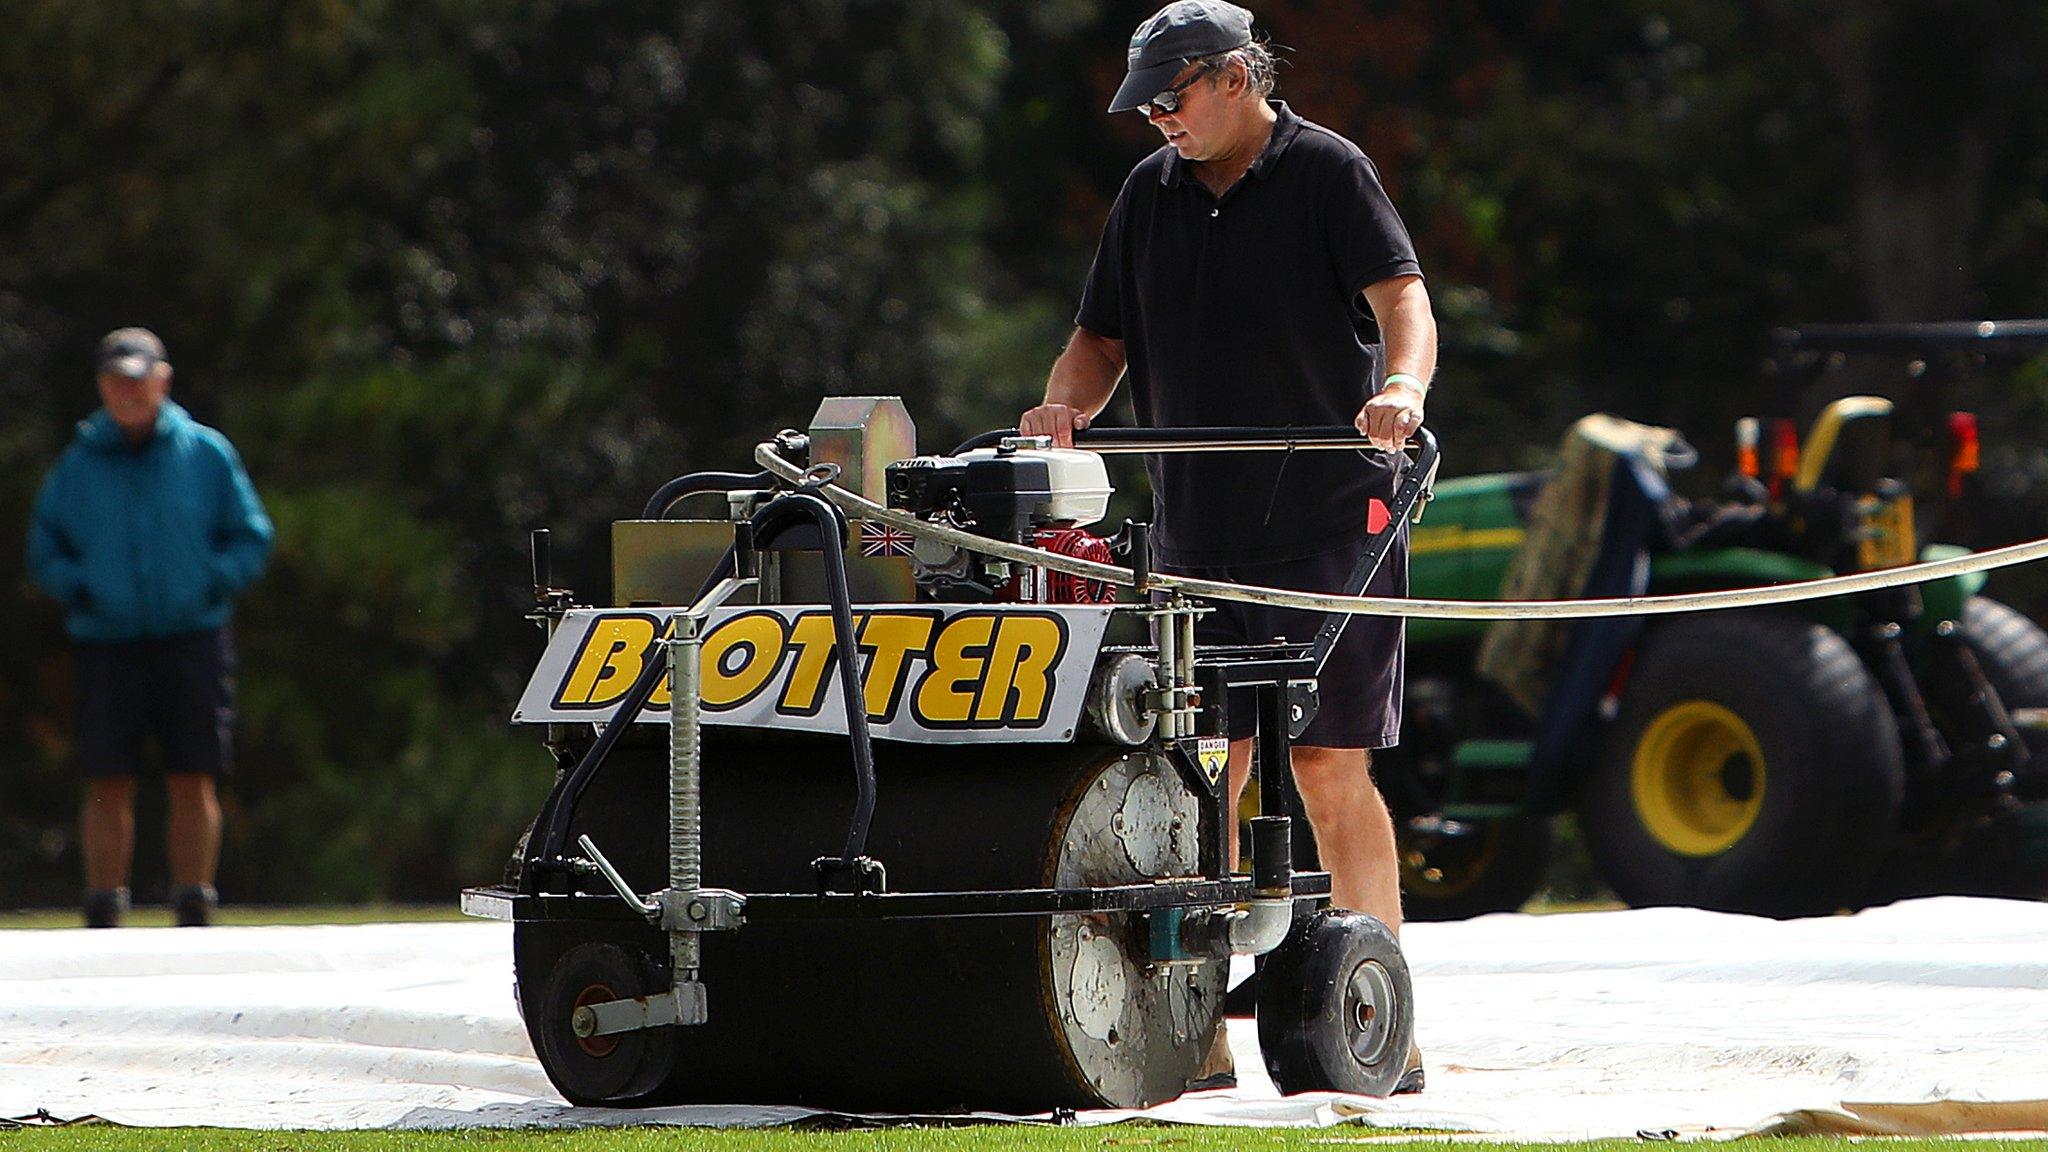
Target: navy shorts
<point x="1360" y="686"/>
<point x="181" y="690"/>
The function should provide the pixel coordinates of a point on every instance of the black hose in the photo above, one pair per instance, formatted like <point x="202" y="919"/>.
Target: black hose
<point x="570" y="793"/>
<point x="767" y="523"/>
<point x="665" y="496"/>
<point x="985" y="440"/>
<point x="571" y="789"/>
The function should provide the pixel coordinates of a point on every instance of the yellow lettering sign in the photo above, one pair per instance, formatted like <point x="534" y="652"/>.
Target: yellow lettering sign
<point x="980" y="669"/>
<point x="890" y="640"/>
<point x="1018" y="684"/>
<point x="613" y="655"/>
<point x="739" y="658"/>
<point x="803" y="693"/>
<point x="959" y="658"/>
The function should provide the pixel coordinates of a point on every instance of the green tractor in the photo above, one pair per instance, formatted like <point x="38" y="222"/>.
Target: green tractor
<point x="1783" y="761"/>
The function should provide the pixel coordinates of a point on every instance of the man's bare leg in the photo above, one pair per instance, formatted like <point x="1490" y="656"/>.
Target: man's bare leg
<point x="1354" y="837"/>
<point x="106" y="824"/>
<point x="1354" y="831"/>
<point x="1240" y="775"/>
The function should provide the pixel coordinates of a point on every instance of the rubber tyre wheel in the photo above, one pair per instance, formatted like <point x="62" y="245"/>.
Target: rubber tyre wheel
<point x="1491" y="865"/>
<point x="619" y="1070"/>
<point x="2013" y="651"/>
<point x="2003" y="858"/>
<point x="1336" y="1007"/>
<point x="1830" y="780"/>
<point x="1496" y="867"/>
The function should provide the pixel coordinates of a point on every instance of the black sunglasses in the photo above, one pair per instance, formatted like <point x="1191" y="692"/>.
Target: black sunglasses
<point x="1168" y="101"/>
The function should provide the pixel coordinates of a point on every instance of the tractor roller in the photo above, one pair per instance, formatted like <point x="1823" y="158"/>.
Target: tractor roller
<point x="1021" y="903"/>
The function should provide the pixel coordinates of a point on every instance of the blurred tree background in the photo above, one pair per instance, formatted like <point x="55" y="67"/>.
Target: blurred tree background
<point x="448" y="270"/>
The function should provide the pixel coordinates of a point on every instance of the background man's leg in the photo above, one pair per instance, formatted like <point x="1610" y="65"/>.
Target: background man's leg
<point x="193" y="828"/>
<point x="107" y="824"/>
<point x="1354" y="831"/>
<point x="193" y="832"/>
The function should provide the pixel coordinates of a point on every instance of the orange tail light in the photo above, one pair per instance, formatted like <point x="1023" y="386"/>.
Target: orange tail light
<point x="1747" y="431"/>
<point x="1784" y="454"/>
<point x="1963" y="449"/>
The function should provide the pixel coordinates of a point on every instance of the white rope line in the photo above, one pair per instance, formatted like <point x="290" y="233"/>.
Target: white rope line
<point x="1424" y="609"/>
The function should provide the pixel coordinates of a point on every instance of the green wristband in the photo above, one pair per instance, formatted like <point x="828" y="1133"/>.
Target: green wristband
<point x="1417" y="381"/>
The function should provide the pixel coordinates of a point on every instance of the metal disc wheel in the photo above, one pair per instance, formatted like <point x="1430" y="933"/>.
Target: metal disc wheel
<point x="1336" y="1007"/>
<point x="618" y="1069"/>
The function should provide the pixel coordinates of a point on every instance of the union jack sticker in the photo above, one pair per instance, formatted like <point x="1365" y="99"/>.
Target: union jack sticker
<point x="884" y="540"/>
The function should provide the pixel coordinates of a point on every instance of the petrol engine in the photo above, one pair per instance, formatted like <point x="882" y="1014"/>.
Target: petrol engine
<point x="1043" y="497"/>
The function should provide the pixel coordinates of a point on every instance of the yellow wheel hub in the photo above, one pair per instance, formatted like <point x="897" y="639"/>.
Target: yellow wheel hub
<point x="1698" y="778"/>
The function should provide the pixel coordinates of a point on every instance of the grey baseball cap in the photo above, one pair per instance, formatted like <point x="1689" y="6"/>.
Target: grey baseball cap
<point x="1177" y="33"/>
<point x="131" y="352"/>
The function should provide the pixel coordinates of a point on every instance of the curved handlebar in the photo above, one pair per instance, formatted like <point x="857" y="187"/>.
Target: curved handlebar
<point x="1251" y="438"/>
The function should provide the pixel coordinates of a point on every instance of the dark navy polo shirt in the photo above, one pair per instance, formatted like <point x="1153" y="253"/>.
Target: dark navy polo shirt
<point x="1246" y="310"/>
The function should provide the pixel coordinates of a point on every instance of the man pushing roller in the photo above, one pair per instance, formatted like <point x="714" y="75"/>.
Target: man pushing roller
<point x="1232" y="278"/>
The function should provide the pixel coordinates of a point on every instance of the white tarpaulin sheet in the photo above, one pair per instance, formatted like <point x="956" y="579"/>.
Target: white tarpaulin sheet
<point x="1928" y="1016"/>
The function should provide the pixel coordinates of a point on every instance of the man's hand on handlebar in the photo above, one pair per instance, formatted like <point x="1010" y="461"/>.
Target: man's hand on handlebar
<point x="1391" y="416"/>
<point x="1058" y="421"/>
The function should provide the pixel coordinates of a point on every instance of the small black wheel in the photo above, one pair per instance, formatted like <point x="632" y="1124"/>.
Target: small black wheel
<point x="619" y="1069"/>
<point x="1452" y="869"/>
<point x="1755" y="767"/>
<point x="1336" y="1007"/>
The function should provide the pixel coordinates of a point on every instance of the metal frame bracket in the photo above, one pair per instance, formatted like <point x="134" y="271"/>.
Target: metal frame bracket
<point x="685" y="1004"/>
<point x="704" y="910"/>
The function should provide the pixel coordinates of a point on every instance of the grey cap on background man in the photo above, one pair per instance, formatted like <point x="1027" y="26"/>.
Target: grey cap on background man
<point x="1180" y="32"/>
<point x="131" y="352"/>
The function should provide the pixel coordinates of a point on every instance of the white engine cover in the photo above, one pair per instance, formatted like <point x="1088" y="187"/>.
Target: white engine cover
<point x="1078" y="478"/>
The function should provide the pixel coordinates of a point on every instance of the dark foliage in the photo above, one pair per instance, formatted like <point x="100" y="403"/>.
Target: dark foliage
<point x="448" y="270"/>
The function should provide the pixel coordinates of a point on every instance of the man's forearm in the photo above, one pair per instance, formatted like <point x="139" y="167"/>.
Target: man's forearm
<point x="1401" y="306"/>
<point x="1086" y="373"/>
<point x="1407" y="327"/>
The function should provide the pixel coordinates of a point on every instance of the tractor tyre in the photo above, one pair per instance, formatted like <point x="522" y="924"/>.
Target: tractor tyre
<point x="1754" y="767"/>
<point x="1452" y="867"/>
<point x="2013" y="651"/>
<point x="2007" y="856"/>
<point x="1452" y="870"/>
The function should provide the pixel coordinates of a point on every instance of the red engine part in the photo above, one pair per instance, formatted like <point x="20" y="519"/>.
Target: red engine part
<point x="1037" y="586"/>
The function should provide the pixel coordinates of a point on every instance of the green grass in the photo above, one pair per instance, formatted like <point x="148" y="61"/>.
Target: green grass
<point x="160" y="917"/>
<point x="1123" y="1138"/>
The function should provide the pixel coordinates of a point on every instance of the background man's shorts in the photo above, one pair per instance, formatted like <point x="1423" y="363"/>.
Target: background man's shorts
<point x="1361" y="684"/>
<point x="180" y="689"/>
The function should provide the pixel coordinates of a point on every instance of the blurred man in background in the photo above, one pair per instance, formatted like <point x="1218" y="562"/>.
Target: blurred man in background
<point x="146" y="530"/>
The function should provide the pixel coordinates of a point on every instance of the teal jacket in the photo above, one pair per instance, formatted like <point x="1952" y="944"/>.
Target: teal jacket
<point x="151" y="540"/>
